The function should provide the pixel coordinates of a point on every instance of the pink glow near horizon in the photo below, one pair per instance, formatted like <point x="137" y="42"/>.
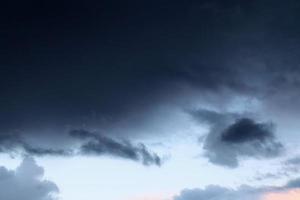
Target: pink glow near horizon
<point x="288" y="195"/>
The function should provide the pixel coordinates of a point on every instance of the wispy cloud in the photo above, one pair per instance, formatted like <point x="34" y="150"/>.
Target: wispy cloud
<point x="94" y="144"/>
<point x="90" y="143"/>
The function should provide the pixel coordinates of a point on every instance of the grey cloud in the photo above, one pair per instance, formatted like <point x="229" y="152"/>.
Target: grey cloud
<point x="292" y="165"/>
<point x="232" y="136"/>
<point x="211" y="117"/>
<point x="14" y="143"/>
<point x="288" y="168"/>
<point x="89" y="144"/>
<point x="39" y="151"/>
<point x="295" y="183"/>
<point x="102" y="145"/>
<point x="25" y="183"/>
<point x="8" y="143"/>
<point x="247" y="130"/>
<point x="215" y="192"/>
<point x="264" y="176"/>
<point x="295" y="161"/>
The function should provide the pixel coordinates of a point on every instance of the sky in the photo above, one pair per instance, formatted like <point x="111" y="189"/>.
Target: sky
<point x="149" y="100"/>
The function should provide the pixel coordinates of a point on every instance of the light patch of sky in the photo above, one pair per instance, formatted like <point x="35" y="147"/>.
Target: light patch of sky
<point x="9" y="162"/>
<point x="116" y="179"/>
<point x="241" y="104"/>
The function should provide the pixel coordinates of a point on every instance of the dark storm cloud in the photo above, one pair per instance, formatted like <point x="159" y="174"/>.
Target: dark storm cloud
<point x="99" y="64"/>
<point x="102" y="145"/>
<point x="95" y="62"/>
<point x="232" y="136"/>
<point x="25" y="183"/>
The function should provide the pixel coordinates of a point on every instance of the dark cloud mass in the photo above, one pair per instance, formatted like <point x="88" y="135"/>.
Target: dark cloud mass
<point x="114" y="65"/>
<point x="73" y="63"/>
<point x="246" y="130"/>
<point x="232" y="137"/>
<point x="25" y="183"/>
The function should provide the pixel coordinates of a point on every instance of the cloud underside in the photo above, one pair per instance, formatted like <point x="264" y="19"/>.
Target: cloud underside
<point x="89" y="144"/>
<point x="232" y="137"/>
<point x="214" y="192"/>
<point x="221" y="47"/>
<point x="25" y="183"/>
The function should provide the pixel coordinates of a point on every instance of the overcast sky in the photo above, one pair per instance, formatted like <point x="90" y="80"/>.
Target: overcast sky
<point x="150" y="100"/>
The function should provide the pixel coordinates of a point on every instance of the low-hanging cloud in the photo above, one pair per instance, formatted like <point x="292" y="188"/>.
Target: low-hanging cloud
<point x="26" y="183"/>
<point x="89" y="144"/>
<point x="16" y="144"/>
<point x="100" y="145"/>
<point x="244" y="192"/>
<point x="214" y="192"/>
<point x="233" y="136"/>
